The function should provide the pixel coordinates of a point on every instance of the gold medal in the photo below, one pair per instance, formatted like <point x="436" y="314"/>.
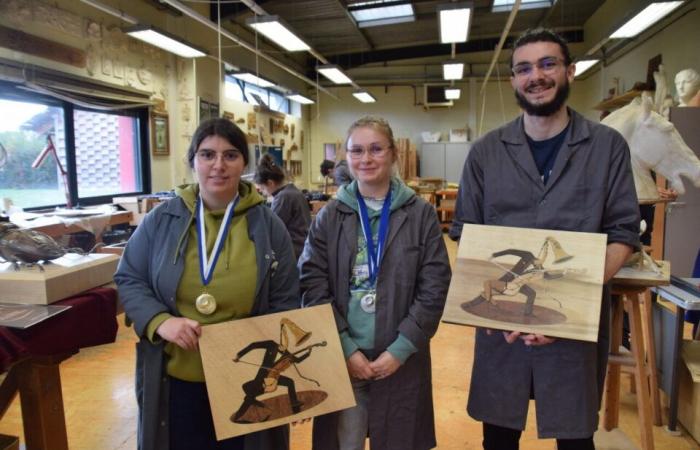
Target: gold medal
<point x="205" y="304"/>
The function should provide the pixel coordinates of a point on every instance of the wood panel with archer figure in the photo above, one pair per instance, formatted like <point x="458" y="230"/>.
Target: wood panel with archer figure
<point x="271" y="370"/>
<point x="536" y="281"/>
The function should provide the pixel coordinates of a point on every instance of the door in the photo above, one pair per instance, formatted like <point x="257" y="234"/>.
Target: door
<point x="681" y="237"/>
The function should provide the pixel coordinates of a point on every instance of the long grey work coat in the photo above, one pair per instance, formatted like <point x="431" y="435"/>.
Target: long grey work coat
<point x="411" y="290"/>
<point x="590" y="189"/>
<point x="147" y="279"/>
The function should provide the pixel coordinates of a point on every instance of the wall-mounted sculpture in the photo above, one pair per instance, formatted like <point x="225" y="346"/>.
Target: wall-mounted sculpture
<point x="687" y="86"/>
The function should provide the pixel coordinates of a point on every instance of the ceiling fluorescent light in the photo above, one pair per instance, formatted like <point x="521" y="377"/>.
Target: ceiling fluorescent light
<point x="583" y="65"/>
<point x="507" y="5"/>
<point x="364" y="97"/>
<point x="253" y="79"/>
<point x="452" y="70"/>
<point x="455" y="19"/>
<point x="334" y="74"/>
<point x="646" y="18"/>
<point x="452" y="93"/>
<point x="165" y="41"/>
<point x="381" y="12"/>
<point x="300" y="99"/>
<point x="273" y="28"/>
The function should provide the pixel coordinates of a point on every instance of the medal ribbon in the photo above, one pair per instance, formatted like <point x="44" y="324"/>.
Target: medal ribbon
<point x="207" y="263"/>
<point x="374" y="253"/>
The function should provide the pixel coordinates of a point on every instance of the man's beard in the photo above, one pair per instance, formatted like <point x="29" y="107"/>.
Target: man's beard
<point x="544" y="109"/>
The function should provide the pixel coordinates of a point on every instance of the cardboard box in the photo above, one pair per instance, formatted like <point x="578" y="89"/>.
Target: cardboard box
<point x="689" y="392"/>
<point x="63" y="277"/>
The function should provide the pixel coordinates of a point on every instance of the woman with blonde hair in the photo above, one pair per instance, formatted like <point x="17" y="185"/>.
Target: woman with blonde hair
<point x="377" y="255"/>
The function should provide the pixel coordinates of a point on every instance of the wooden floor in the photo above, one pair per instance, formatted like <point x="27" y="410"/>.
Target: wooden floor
<point x="101" y="409"/>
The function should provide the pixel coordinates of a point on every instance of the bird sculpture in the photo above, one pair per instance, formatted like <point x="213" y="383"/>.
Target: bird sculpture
<point x="28" y="247"/>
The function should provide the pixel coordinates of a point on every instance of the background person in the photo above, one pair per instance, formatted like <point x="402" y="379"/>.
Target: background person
<point x="288" y="202"/>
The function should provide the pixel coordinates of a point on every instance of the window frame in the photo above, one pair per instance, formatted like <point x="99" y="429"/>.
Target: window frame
<point x="12" y="91"/>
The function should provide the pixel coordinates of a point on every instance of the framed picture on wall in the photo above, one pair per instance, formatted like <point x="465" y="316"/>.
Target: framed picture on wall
<point x="160" y="141"/>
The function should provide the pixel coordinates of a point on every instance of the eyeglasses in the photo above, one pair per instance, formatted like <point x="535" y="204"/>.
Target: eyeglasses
<point x="209" y="156"/>
<point x="375" y="151"/>
<point x="546" y="65"/>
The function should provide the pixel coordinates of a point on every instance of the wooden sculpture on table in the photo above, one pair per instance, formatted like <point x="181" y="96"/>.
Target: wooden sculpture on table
<point x="29" y="247"/>
<point x="521" y="279"/>
<point x="655" y="145"/>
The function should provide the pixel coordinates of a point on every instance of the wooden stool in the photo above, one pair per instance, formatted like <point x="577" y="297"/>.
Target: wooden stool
<point x="642" y="364"/>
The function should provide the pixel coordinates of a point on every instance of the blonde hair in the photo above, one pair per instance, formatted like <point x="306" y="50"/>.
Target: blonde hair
<point x="380" y="125"/>
<point x="377" y="124"/>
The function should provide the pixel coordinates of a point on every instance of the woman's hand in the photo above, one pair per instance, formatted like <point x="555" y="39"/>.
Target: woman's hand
<point x="359" y="367"/>
<point x="385" y="365"/>
<point x="181" y="331"/>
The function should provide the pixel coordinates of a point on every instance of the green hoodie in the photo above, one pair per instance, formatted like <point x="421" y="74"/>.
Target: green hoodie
<point x="361" y="324"/>
<point x="232" y="284"/>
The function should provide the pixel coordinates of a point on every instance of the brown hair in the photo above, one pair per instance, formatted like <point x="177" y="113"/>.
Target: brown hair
<point x="223" y="128"/>
<point x="268" y="170"/>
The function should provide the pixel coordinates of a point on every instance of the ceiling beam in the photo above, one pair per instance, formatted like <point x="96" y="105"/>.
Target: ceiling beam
<point x="350" y="60"/>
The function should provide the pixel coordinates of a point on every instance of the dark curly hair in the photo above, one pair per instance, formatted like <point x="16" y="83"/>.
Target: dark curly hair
<point x="268" y="170"/>
<point x="223" y="128"/>
<point x="532" y="35"/>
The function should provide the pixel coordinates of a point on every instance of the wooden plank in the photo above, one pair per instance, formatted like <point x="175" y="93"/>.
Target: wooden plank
<point x="37" y="46"/>
<point x="271" y="370"/>
<point x="630" y="276"/>
<point x="611" y="415"/>
<point x="617" y="102"/>
<point x="42" y="405"/>
<point x="640" y="378"/>
<point x="535" y="281"/>
<point x="649" y="343"/>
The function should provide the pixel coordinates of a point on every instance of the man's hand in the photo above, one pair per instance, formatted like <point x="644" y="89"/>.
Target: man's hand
<point x="359" y="367"/>
<point x="528" y="339"/>
<point x="181" y="331"/>
<point x="534" y="340"/>
<point x="385" y="365"/>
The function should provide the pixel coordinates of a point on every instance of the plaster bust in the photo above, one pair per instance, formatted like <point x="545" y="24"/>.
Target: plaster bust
<point x="687" y="85"/>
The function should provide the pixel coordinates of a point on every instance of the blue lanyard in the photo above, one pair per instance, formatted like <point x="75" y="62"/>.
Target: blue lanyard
<point x="207" y="264"/>
<point x="374" y="253"/>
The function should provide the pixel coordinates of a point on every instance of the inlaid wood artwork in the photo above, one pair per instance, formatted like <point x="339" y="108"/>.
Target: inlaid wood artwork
<point x="271" y="370"/>
<point x="535" y="281"/>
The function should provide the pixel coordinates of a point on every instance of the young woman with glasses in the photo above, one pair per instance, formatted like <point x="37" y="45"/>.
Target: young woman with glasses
<point x="376" y="253"/>
<point x="212" y="254"/>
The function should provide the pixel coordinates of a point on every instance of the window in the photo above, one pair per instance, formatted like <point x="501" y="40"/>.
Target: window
<point x="249" y="93"/>
<point x="59" y="154"/>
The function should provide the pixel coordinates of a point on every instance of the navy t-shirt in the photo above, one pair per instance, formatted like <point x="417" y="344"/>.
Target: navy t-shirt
<point x="545" y="152"/>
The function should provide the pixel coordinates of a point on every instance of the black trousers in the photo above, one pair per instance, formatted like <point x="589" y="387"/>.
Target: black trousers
<point x="501" y="438"/>
<point x="191" y="425"/>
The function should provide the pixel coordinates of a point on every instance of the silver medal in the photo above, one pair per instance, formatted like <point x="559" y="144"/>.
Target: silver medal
<point x="368" y="303"/>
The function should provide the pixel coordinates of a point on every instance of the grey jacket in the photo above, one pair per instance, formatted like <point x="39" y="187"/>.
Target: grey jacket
<point x="291" y="206"/>
<point x="414" y="275"/>
<point x="147" y="279"/>
<point x="590" y="189"/>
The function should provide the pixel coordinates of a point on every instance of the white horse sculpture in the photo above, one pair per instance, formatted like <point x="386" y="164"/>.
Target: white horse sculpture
<point x="656" y="145"/>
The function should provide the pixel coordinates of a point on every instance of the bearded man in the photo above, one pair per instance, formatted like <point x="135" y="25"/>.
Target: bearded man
<point x="551" y="169"/>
